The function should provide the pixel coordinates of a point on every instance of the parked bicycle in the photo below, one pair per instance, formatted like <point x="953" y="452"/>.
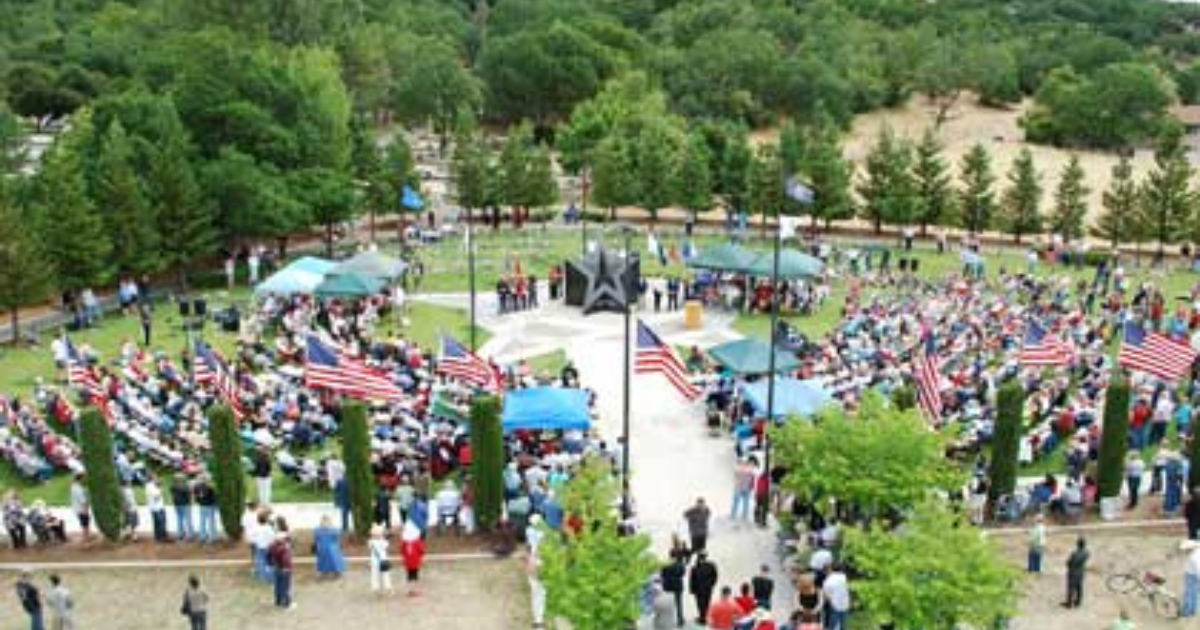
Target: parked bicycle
<point x="1148" y="585"/>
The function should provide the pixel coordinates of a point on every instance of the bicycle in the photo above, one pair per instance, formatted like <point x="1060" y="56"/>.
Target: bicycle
<point x="1148" y="585"/>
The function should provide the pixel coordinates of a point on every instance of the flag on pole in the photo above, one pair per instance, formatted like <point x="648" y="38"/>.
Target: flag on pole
<point x="655" y="356"/>
<point x="327" y="368"/>
<point x="1042" y="348"/>
<point x="221" y="376"/>
<point x="457" y="362"/>
<point x="80" y="374"/>
<point x="1154" y="353"/>
<point x="927" y="372"/>
<point x="787" y="227"/>
<point x="798" y="191"/>
<point x="411" y="199"/>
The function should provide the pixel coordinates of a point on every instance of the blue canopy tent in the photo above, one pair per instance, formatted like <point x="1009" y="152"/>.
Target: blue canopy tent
<point x="546" y="408"/>
<point x="301" y="276"/>
<point x="792" y="397"/>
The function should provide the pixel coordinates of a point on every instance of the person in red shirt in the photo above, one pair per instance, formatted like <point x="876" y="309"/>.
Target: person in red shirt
<point x="725" y="612"/>
<point x="745" y="599"/>
<point x="412" y="550"/>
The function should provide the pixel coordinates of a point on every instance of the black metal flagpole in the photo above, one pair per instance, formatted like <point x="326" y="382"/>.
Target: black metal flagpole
<point x="471" y="274"/>
<point x="625" y="506"/>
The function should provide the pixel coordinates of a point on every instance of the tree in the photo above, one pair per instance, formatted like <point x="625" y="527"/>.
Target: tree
<point x="656" y="154"/>
<point x="1168" y="201"/>
<point x="71" y="230"/>
<point x="1114" y="439"/>
<point x="229" y="476"/>
<point x="935" y="198"/>
<point x="118" y="191"/>
<point x="1194" y="464"/>
<point x="471" y="168"/>
<point x="24" y="272"/>
<point x="330" y="197"/>
<point x="942" y="77"/>
<point x="184" y="219"/>
<point x="1006" y="441"/>
<point x="1116" y="106"/>
<point x="356" y="454"/>
<point x="828" y="174"/>
<point x="433" y="87"/>
<point x="693" y="175"/>
<point x="887" y="189"/>
<point x="766" y="183"/>
<point x="614" y="182"/>
<point x="103" y="488"/>
<point x="1023" y="198"/>
<point x="1119" y="219"/>
<point x="881" y="459"/>
<point x="934" y="571"/>
<point x="613" y="111"/>
<point x="1070" y="201"/>
<point x="976" y="199"/>
<point x="595" y="577"/>
<point x="487" y="467"/>
<point x="526" y="174"/>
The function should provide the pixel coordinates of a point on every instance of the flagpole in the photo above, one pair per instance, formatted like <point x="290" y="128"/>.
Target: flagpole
<point x="625" y="506"/>
<point x="771" y="357"/>
<point x="471" y="274"/>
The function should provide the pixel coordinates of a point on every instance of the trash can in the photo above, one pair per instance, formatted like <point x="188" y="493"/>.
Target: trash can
<point x="693" y="315"/>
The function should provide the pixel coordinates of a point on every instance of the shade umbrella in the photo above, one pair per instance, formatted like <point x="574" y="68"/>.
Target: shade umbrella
<point x="793" y="265"/>
<point x="752" y="356"/>
<point x="301" y="276"/>
<point x="793" y="397"/>
<point x="372" y="263"/>
<point x="727" y="257"/>
<point x="350" y="285"/>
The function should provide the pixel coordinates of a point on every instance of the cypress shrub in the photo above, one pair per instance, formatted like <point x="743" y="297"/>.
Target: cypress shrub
<point x="1006" y="440"/>
<point x="487" y="467"/>
<point x="356" y="453"/>
<point x="1114" y="441"/>
<point x="1194" y="455"/>
<point x="228" y="476"/>
<point x="904" y="398"/>
<point x="101" y="477"/>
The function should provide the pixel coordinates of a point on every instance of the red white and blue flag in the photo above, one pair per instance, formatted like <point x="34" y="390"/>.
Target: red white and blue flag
<point x="1154" y="353"/>
<point x="327" y="368"/>
<point x="80" y="374"/>
<point x="655" y="356"/>
<point x="927" y="374"/>
<point x="459" y="363"/>
<point x="1043" y="348"/>
<point x="213" y="369"/>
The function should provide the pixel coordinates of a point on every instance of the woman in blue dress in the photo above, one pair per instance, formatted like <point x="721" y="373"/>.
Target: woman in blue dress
<point x="327" y="541"/>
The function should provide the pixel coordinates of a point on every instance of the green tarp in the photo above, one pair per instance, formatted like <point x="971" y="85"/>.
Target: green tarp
<point x="792" y="265"/>
<point x="751" y="356"/>
<point x="348" y="286"/>
<point x="727" y="257"/>
<point x="372" y="264"/>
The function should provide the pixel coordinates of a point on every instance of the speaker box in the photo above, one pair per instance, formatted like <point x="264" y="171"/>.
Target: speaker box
<point x="185" y="308"/>
<point x="201" y="307"/>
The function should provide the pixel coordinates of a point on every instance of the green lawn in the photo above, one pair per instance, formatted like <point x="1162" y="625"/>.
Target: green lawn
<point x="425" y="323"/>
<point x="551" y="362"/>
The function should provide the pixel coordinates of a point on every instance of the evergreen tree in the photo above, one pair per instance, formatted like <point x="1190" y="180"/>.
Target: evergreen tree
<point x="1023" y="198"/>
<point x="1007" y="440"/>
<point x="1168" y="201"/>
<point x="935" y="197"/>
<point x="1070" y="201"/>
<point x="471" y="170"/>
<point x="825" y="171"/>
<point x="888" y="191"/>
<point x="693" y="175"/>
<point x="791" y="147"/>
<point x="184" y="219"/>
<point x="527" y="175"/>
<point x="118" y="192"/>
<point x="71" y="230"/>
<point x="229" y="479"/>
<point x="1120" y="218"/>
<point x="656" y="158"/>
<point x="24" y="271"/>
<point x="356" y="454"/>
<point x="614" y="183"/>
<point x="487" y="467"/>
<point x="103" y="488"/>
<point x="1113" y="439"/>
<point x="976" y="199"/>
<point x="766" y="183"/>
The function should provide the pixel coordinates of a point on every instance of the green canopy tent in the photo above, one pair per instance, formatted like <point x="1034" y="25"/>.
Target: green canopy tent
<point x="372" y="264"/>
<point x="727" y="257"/>
<point x="350" y="285"/>
<point x="793" y="265"/>
<point x="751" y="356"/>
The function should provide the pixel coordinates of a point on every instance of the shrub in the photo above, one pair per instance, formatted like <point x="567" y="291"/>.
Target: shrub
<point x="356" y="453"/>
<point x="487" y="468"/>
<point x="1114" y="441"/>
<point x="1006" y="441"/>
<point x="228" y="476"/>
<point x="1194" y="457"/>
<point x="904" y="398"/>
<point x="102" y="485"/>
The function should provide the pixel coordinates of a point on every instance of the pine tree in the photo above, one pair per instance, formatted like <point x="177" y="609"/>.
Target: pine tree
<point x="1120" y="218"/>
<point x="766" y="183"/>
<point x="101" y="478"/>
<point x="229" y="479"/>
<point x="1168" y="201"/>
<point x="1007" y="440"/>
<point x="118" y="193"/>
<point x="976" y="199"/>
<point x="356" y="454"/>
<point x="528" y="178"/>
<point x="1023" y="198"/>
<point x="487" y="467"/>
<point x="71" y="230"/>
<point x="24" y="271"/>
<point x="613" y="179"/>
<point x="183" y="216"/>
<point x="471" y="169"/>
<point x="935" y="198"/>
<point x="1070" y="201"/>
<point x="888" y="191"/>
<point x="825" y="171"/>
<point x="657" y="151"/>
<point x="1113" y="439"/>
<point x="693" y="175"/>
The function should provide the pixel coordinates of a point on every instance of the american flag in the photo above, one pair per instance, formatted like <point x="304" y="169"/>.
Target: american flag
<point x="1154" y="353"/>
<point x="655" y="356"/>
<point x="80" y="374"/>
<point x="457" y="362"/>
<point x="215" y="371"/>
<point x="1043" y="348"/>
<point x="927" y="373"/>
<point x="326" y="368"/>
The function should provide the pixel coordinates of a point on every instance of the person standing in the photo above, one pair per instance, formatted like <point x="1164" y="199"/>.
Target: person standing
<point x="261" y="538"/>
<point x="280" y="556"/>
<point x="381" y="566"/>
<point x="327" y="541"/>
<point x="672" y="582"/>
<point x="206" y="499"/>
<point x="725" y="612"/>
<point x="262" y="475"/>
<point x="661" y="607"/>
<point x="1076" y="566"/>
<point x="537" y="590"/>
<point x="1037" y="544"/>
<point x="1191" y="584"/>
<point x="1134" y="467"/>
<point x="230" y="271"/>
<point x="147" y="321"/>
<point x="697" y="518"/>
<point x="181" y="498"/>
<point x="743" y="486"/>
<point x="254" y="261"/>
<point x="31" y="600"/>
<point x="1191" y="512"/>
<point x="195" y="604"/>
<point x="836" y="589"/>
<point x="129" y="507"/>
<point x="701" y="582"/>
<point x="14" y="520"/>
<point x="763" y="587"/>
<point x="61" y="604"/>
<point x="158" y="509"/>
<point x="412" y="550"/>
<point x="81" y="506"/>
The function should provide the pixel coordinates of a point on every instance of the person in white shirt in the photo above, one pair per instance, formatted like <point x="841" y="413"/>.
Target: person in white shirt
<point x="381" y="573"/>
<point x="1191" y="583"/>
<point x="837" y="595"/>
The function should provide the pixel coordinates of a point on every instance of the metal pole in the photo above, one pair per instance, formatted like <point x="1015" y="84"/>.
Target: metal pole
<point x="771" y="360"/>
<point x="583" y="239"/>
<point x="625" y="507"/>
<point x="471" y="274"/>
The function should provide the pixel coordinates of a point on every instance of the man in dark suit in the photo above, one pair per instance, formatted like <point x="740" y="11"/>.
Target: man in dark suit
<point x="672" y="582"/>
<point x="701" y="582"/>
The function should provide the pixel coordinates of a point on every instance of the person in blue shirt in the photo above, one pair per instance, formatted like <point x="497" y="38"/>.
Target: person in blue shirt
<point x="419" y="513"/>
<point x="552" y="511"/>
<point x="1183" y="417"/>
<point x="327" y="542"/>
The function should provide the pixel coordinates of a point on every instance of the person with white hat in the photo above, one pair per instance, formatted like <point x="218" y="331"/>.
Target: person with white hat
<point x="412" y="549"/>
<point x="381" y="566"/>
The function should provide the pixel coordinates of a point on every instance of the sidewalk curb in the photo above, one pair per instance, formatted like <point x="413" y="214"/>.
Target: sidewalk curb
<point x="1093" y="527"/>
<point x="205" y="564"/>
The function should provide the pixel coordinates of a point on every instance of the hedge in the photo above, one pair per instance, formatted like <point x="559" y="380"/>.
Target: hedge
<point x="487" y="467"/>
<point x="1006" y="440"/>
<point x="1194" y="455"/>
<point x="356" y="453"/>
<point x="1114" y="441"/>
<point x="228" y="475"/>
<point x="103" y="488"/>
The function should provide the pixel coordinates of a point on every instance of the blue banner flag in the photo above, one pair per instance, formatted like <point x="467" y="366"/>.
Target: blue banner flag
<point x="798" y="191"/>
<point x="411" y="199"/>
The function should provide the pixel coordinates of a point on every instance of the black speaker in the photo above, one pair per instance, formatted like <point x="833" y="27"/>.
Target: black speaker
<point x="902" y="264"/>
<point x="914" y="264"/>
<point x="185" y="308"/>
<point x="201" y="307"/>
